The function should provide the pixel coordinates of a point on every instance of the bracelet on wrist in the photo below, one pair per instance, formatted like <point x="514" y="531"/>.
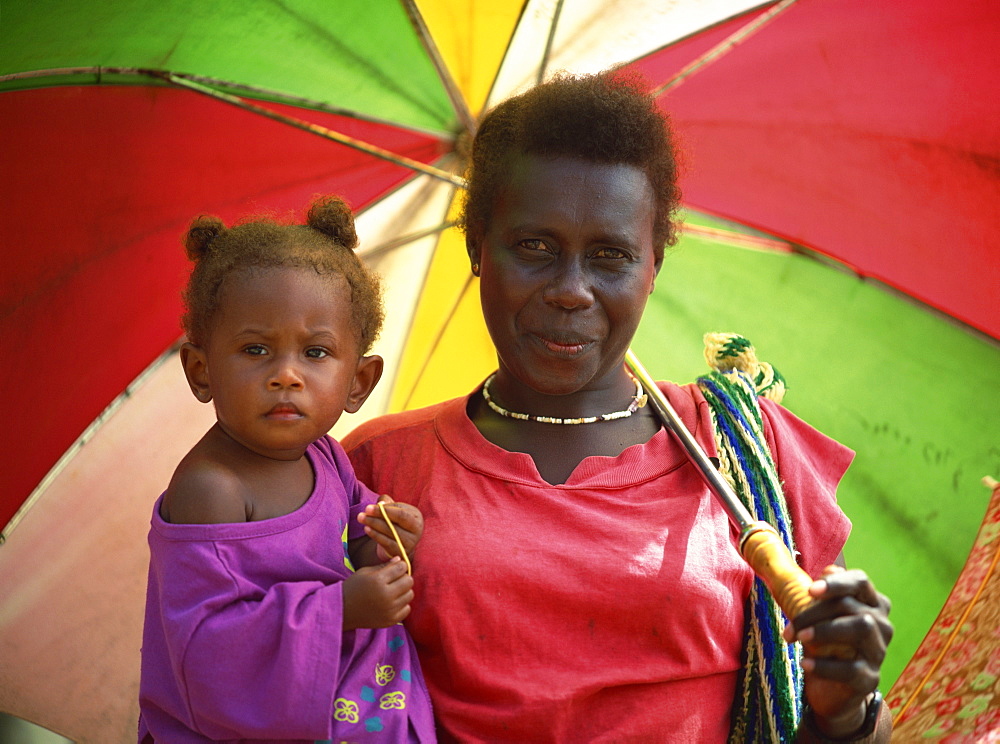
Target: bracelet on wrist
<point x="872" y="708"/>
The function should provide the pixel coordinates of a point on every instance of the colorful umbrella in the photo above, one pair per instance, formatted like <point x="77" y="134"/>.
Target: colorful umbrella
<point x="860" y="136"/>
<point x="949" y="692"/>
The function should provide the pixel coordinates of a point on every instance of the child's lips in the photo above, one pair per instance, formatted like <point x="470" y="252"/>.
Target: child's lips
<point x="284" y="411"/>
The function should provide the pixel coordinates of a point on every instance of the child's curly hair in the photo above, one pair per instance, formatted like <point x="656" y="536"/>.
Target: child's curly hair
<point x="325" y="244"/>
<point x="608" y="117"/>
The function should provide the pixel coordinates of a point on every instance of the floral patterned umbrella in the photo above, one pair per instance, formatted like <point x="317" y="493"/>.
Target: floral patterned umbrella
<point x="950" y="691"/>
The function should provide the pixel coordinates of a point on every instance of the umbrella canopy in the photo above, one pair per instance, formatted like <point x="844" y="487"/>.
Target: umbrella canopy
<point x="862" y="136"/>
<point x="949" y="691"/>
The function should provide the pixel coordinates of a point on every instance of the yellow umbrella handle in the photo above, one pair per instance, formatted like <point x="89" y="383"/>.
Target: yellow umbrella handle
<point x="763" y="548"/>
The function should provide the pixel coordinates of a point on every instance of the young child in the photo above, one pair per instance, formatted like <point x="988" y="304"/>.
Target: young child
<point x="258" y="626"/>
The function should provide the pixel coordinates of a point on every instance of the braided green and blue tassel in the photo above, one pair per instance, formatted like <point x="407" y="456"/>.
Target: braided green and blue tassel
<point x="767" y="706"/>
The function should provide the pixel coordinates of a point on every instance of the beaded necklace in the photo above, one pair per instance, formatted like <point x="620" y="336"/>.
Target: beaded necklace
<point x="638" y="401"/>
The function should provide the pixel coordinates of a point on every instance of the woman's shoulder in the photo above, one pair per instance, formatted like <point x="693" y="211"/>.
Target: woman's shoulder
<point x="681" y="391"/>
<point x="414" y="423"/>
<point x="688" y="402"/>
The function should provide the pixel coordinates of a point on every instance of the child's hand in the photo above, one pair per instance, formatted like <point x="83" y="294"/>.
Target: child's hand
<point x="377" y="596"/>
<point x="407" y="519"/>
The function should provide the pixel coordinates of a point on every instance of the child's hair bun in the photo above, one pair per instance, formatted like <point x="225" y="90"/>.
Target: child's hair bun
<point x="332" y="216"/>
<point x="203" y="231"/>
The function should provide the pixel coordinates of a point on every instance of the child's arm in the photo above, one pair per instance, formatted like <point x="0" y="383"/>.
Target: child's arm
<point x="380" y="544"/>
<point x="249" y="663"/>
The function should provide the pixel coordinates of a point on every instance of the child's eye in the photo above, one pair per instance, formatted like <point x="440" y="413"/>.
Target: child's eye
<point x="255" y="350"/>
<point x="317" y="352"/>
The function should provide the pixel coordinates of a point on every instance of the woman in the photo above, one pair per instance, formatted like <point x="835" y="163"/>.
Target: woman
<point x="576" y="581"/>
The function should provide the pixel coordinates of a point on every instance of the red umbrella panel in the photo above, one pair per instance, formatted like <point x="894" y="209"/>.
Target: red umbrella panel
<point x="99" y="185"/>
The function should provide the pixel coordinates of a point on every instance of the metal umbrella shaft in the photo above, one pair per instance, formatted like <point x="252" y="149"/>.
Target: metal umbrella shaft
<point x="760" y="544"/>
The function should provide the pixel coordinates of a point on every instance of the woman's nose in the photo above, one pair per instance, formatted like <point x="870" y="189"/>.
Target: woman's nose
<point x="570" y="287"/>
<point x="285" y="375"/>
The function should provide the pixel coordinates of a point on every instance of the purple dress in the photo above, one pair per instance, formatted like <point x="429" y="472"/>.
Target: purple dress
<point x="244" y="639"/>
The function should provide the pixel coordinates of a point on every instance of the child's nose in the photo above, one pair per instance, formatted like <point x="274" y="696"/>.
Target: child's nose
<point x="285" y="375"/>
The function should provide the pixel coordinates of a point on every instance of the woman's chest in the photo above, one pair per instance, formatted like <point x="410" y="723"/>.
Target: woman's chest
<point x="648" y="569"/>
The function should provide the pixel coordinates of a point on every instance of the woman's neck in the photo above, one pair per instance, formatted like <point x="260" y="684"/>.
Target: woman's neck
<point x="605" y="394"/>
<point x="558" y="449"/>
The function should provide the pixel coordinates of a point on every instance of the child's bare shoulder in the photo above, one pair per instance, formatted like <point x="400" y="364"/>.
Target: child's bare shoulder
<point x="204" y="491"/>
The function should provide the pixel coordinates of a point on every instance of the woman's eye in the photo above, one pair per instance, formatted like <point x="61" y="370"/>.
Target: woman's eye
<point x="534" y="249"/>
<point x="612" y="253"/>
<point x="532" y="245"/>
<point x="317" y="353"/>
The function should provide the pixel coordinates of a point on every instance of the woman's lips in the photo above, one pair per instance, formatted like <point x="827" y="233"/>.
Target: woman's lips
<point x="563" y="345"/>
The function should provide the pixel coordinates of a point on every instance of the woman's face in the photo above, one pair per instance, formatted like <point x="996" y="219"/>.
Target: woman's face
<point x="566" y="265"/>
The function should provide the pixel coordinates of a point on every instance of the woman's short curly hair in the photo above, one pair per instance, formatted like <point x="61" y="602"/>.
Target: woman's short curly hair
<point x="608" y="117"/>
<point x="326" y="244"/>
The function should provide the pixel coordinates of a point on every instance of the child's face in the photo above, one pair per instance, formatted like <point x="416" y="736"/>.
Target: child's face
<point x="282" y="360"/>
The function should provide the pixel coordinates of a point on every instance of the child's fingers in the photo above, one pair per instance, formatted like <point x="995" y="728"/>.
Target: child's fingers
<point x="398" y="583"/>
<point x="383" y="539"/>
<point x="395" y="528"/>
<point x="402" y="515"/>
<point x="371" y="518"/>
<point x="398" y="513"/>
<point x="386" y="545"/>
<point x="406" y="519"/>
<point x="393" y="570"/>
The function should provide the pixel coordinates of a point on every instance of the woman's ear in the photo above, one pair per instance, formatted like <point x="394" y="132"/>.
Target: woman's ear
<point x="656" y="271"/>
<point x="195" y="365"/>
<point x="366" y="377"/>
<point x="472" y="248"/>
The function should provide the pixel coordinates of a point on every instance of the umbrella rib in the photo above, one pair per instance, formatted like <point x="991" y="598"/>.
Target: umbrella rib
<point x="788" y="245"/>
<point x="316" y="129"/>
<point x="723" y="47"/>
<point x="458" y="103"/>
<point x="310" y="103"/>
<point x="753" y="242"/>
<point x="252" y="90"/>
<point x="543" y="67"/>
<point x="402" y="240"/>
<point x="506" y="51"/>
<point x="436" y="342"/>
<point x="60" y="71"/>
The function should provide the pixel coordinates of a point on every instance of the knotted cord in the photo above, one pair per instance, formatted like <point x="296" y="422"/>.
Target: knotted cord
<point x="767" y="706"/>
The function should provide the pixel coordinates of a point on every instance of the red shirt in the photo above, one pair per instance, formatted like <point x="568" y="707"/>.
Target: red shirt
<point x="608" y="608"/>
